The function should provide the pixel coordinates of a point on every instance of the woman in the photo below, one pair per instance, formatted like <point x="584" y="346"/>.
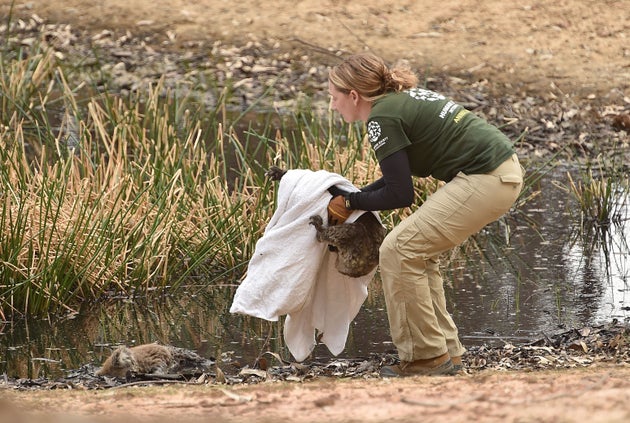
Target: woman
<point x="417" y="132"/>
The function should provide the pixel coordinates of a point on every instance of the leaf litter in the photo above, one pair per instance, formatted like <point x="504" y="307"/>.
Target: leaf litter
<point x="125" y="62"/>
<point x="588" y="346"/>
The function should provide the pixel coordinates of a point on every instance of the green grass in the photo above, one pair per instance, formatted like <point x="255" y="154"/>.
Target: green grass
<point x="601" y="192"/>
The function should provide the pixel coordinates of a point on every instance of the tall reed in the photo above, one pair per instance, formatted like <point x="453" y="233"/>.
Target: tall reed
<point x="134" y="202"/>
<point x="600" y="192"/>
<point x="102" y="194"/>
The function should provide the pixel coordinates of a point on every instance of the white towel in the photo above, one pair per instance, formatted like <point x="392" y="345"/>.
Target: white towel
<point x="291" y="273"/>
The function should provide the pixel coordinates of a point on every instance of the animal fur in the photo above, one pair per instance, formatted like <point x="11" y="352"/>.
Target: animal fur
<point x="275" y="173"/>
<point x="356" y="243"/>
<point x="151" y="359"/>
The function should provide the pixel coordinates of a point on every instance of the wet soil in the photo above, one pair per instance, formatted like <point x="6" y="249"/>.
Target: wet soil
<point x="558" y="71"/>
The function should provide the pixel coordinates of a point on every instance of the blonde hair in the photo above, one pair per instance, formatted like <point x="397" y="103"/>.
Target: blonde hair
<point x="369" y="76"/>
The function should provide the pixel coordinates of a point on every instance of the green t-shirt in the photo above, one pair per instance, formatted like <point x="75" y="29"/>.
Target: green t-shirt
<point x="441" y="137"/>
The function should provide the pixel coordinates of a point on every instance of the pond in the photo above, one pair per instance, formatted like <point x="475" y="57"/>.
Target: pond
<point x="554" y="275"/>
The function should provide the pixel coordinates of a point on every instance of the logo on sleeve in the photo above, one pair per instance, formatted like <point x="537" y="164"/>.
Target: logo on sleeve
<point x="374" y="131"/>
<point x="425" y="95"/>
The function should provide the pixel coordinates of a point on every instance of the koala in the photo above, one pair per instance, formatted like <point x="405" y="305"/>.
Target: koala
<point x="151" y="359"/>
<point x="356" y="243"/>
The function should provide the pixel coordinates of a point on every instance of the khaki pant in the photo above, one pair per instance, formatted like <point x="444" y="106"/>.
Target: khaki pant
<point x="420" y="325"/>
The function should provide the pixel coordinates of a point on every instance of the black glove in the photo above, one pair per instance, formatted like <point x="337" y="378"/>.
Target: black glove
<point x="335" y="191"/>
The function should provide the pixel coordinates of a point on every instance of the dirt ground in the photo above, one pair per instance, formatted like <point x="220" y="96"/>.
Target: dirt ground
<point x="595" y="395"/>
<point x="579" y="46"/>
<point x="578" y="49"/>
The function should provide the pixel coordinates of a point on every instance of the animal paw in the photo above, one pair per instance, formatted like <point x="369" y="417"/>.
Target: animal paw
<point x="275" y="173"/>
<point x="316" y="221"/>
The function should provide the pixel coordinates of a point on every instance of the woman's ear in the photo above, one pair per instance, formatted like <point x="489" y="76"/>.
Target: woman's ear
<point x="354" y="96"/>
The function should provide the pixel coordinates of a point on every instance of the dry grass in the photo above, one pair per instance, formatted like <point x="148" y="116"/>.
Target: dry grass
<point x="129" y="194"/>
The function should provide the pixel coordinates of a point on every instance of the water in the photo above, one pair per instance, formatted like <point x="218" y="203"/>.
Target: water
<point x="557" y="275"/>
<point x="553" y="276"/>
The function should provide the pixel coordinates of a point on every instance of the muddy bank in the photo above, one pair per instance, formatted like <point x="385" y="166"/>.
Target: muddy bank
<point x="575" y="348"/>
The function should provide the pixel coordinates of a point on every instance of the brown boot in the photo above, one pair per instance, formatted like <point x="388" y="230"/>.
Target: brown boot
<point x="458" y="366"/>
<point x="437" y="366"/>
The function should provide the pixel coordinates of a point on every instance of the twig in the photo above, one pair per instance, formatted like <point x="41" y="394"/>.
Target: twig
<point x="153" y="382"/>
<point x="265" y="346"/>
<point x="355" y="35"/>
<point x="235" y="397"/>
<point x="318" y="48"/>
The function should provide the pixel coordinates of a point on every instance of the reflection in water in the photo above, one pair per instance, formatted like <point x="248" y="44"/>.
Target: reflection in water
<point x="516" y="292"/>
<point x="550" y="279"/>
<point x="550" y="276"/>
<point x="598" y="259"/>
<point x="198" y="321"/>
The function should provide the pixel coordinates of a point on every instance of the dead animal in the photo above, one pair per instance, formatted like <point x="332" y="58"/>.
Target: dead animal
<point x="153" y="359"/>
<point x="355" y="243"/>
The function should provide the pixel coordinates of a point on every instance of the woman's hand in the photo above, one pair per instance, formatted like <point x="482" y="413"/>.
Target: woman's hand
<point x="337" y="211"/>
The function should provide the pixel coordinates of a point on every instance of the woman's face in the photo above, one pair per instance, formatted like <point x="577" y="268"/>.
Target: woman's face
<point x="345" y="104"/>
